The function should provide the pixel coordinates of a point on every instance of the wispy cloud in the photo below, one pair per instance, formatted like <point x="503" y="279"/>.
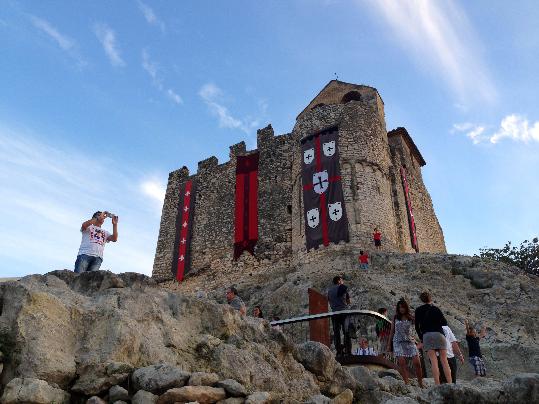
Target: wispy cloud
<point x="47" y="192"/>
<point x="439" y="37"/>
<point x="150" y="15"/>
<point x="107" y="37"/>
<point x="65" y="43"/>
<point x="152" y="68"/>
<point x="514" y="127"/>
<point x="213" y="97"/>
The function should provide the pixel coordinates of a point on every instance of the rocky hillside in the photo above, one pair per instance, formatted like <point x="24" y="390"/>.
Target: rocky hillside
<point x="482" y="291"/>
<point x="99" y="337"/>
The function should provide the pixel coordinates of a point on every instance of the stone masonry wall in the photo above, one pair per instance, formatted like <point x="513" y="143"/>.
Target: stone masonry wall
<point x="429" y="232"/>
<point x="213" y="221"/>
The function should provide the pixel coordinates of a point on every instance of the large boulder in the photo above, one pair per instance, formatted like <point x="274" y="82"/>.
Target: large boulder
<point x="203" y="379"/>
<point x="317" y="358"/>
<point x="118" y="393"/>
<point x="233" y="388"/>
<point x="144" y="397"/>
<point x="159" y="378"/>
<point x="522" y="388"/>
<point x="202" y="394"/>
<point x="33" y="391"/>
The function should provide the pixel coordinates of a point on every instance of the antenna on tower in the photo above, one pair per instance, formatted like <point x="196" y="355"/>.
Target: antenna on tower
<point x="336" y="76"/>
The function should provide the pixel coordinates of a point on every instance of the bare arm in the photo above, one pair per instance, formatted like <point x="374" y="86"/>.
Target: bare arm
<point x="391" y="334"/>
<point x="243" y="310"/>
<point x="114" y="236"/>
<point x="88" y="223"/>
<point x="456" y="349"/>
<point x="483" y="333"/>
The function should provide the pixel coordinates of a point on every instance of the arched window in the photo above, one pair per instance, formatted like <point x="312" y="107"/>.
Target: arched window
<point x="351" y="96"/>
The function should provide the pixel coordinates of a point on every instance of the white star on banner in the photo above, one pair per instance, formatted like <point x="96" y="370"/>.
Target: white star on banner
<point x="186" y="209"/>
<point x="183" y="241"/>
<point x="181" y="258"/>
<point x="187" y="193"/>
<point x="184" y="224"/>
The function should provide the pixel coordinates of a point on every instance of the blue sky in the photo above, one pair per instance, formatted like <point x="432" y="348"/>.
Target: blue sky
<point x="100" y="100"/>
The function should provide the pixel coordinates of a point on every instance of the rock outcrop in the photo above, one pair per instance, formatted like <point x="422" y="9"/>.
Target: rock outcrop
<point x="86" y="333"/>
<point x="104" y="338"/>
<point x="482" y="291"/>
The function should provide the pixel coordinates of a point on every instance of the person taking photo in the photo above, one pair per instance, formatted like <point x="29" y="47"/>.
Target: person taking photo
<point x="93" y="241"/>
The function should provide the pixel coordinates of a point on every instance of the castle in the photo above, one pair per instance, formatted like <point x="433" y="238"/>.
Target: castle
<point x="380" y="174"/>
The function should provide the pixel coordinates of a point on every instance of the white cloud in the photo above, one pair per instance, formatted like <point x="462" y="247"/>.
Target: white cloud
<point x="154" y="189"/>
<point x="514" y="127"/>
<point x="65" y="43"/>
<point x="174" y="97"/>
<point x="439" y="37"/>
<point x="213" y="97"/>
<point x="150" y="15"/>
<point x="152" y="68"/>
<point x="46" y="192"/>
<point x="107" y="37"/>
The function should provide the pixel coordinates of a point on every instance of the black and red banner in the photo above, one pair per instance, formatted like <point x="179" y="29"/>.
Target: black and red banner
<point x="246" y="211"/>
<point x="411" y="220"/>
<point x="181" y="263"/>
<point x="323" y="199"/>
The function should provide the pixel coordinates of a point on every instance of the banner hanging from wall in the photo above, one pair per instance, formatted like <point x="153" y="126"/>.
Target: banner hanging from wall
<point x="246" y="207"/>
<point x="409" y="210"/>
<point x="184" y="227"/>
<point x="323" y="199"/>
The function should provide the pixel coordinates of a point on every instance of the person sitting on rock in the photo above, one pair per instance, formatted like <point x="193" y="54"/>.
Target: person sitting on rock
<point x="339" y="300"/>
<point x="377" y="236"/>
<point x="363" y="260"/>
<point x="429" y="322"/>
<point x="474" y="350"/>
<point x="235" y="301"/>
<point x="93" y="241"/>
<point x="364" y="348"/>
<point x="404" y="343"/>
<point x="257" y="312"/>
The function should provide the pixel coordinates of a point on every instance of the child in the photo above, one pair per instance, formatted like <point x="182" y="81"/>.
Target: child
<point x="377" y="236"/>
<point x="363" y="260"/>
<point x="474" y="350"/>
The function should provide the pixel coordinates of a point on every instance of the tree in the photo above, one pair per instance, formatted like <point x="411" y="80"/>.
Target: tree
<point x="525" y="257"/>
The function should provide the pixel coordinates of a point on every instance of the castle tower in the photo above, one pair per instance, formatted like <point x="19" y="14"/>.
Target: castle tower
<point x="374" y="167"/>
<point x="358" y="113"/>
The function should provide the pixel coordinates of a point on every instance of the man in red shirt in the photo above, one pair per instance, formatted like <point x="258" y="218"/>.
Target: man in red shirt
<point x="363" y="260"/>
<point x="377" y="238"/>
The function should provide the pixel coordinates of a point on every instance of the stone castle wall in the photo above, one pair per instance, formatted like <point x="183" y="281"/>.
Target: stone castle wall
<point x="373" y="193"/>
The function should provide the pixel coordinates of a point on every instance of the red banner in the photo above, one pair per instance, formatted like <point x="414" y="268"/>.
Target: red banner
<point x="246" y="210"/>
<point x="184" y="225"/>
<point x="411" y="221"/>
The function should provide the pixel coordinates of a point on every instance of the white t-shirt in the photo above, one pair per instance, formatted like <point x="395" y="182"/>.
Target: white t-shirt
<point x="93" y="241"/>
<point x="450" y="338"/>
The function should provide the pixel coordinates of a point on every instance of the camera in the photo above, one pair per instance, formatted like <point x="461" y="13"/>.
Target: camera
<point x="108" y="214"/>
